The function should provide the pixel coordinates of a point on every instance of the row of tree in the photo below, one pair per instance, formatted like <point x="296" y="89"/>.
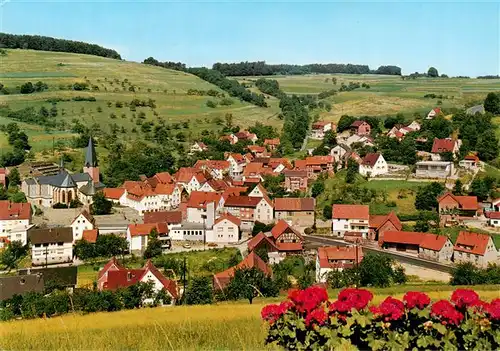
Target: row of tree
<point x="37" y="42"/>
<point x="261" y="68"/>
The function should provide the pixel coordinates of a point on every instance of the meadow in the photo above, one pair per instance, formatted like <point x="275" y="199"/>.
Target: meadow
<point x="228" y="326"/>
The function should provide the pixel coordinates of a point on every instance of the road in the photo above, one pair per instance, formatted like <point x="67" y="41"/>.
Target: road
<point x="400" y="257"/>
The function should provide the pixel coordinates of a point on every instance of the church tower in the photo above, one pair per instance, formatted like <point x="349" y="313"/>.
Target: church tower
<point x="90" y="166"/>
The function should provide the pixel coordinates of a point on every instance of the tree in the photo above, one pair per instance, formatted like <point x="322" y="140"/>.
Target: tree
<point x="100" y="205"/>
<point x="261" y="251"/>
<point x="153" y="248"/>
<point x="492" y="103"/>
<point x="199" y="292"/>
<point x="426" y="198"/>
<point x="14" y="177"/>
<point x="376" y="270"/>
<point x="44" y="113"/>
<point x="317" y="188"/>
<point x="14" y="252"/>
<point x="345" y="122"/>
<point x="487" y="146"/>
<point x="352" y="171"/>
<point x="330" y="139"/>
<point x="421" y="226"/>
<point x="27" y="88"/>
<point x="53" y="111"/>
<point x="261" y="227"/>
<point x="84" y="250"/>
<point x="249" y="283"/>
<point x="433" y="72"/>
<point x="465" y="274"/>
<point x="458" y="188"/>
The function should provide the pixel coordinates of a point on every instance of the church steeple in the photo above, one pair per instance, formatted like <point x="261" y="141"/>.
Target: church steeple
<point x="90" y="155"/>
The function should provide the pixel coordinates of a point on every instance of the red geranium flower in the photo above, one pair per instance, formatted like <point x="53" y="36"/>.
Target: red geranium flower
<point x="416" y="299"/>
<point x="308" y="299"/>
<point x="357" y="298"/>
<point x="391" y="309"/>
<point x="493" y="309"/>
<point x="480" y="306"/>
<point x="464" y="297"/>
<point x="317" y="316"/>
<point x="272" y="313"/>
<point x="446" y="313"/>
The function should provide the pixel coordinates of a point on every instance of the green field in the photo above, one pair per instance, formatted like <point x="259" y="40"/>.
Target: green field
<point x="224" y="326"/>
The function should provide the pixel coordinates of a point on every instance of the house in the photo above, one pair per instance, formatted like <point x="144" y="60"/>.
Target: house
<point x="318" y="164"/>
<point x="141" y="198"/>
<point x="202" y="207"/>
<point x="379" y="224"/>
<point x="168" y="195"/>
<point x="3" y="176"/>
<point x="114" y="276"/>
<point x="63" y="187"/>
<point x="246" y="135"/>
<point x="320" y="128"/>
<point x="226" y="229"/>
<point x="273" y="165"/>
<point x="214" y="185"/>
<point x="286" y="239"/>
<point x="198" y="146"/>
<point x="350" y="218"/>
<point x="4" y="242"/>
<point x="15" y="220"/>
<point x="272" y="144"/>
<point x="360" y="128"/>
<point x="444" y="145"/>
<point x="231" y="138"/>
<point x="428" y="246"/>
<point x="373" y="165"/>
<point x="237" y="164"/>
<point x="20" y="285"/>
<point x="262" y="241"/>
<point x="258" y="191"/>
<point x="51" y="245"/>
<point x="250" y="209"/>
<point x="336" y="258"/>
<point x="493" y="219"/>
<point x="476" y="248"/>
<point x="297" y="211"/>
<point x="222" y="279"/>
<point x="470" y="162"/>
<point x="434" y="169"/>
<point x="116" y="195"/>
<point x="54" y="277"/>
<point x="453" y="205"/>
<point x="138" y="236"/>
<point x="414" y="126"/>
<point x="172" y="218"/>
<point x="84" y="221"/>
<point x="218" y="169"/>
<point x="190" y="178"/>
<point x="363" y="140"/>
<point x="254" y="170"/>
<point x="339" y="151"/>
<point x="257" y="150"/>
<point x="433" y="113"/>
<point x="90" y="235"/>
<point x="295" y="180"/>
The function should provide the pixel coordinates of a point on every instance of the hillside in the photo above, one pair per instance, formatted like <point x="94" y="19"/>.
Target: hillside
<point x="113" y="79"/>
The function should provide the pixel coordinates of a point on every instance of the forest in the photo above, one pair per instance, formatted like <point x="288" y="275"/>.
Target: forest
<point x="37" y="42"/>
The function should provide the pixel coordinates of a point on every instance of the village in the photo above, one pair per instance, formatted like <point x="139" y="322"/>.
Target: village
<point x="224" y="203"/>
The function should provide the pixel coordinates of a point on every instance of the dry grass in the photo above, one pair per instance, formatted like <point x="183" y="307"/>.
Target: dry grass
<point x="235" y="326"/>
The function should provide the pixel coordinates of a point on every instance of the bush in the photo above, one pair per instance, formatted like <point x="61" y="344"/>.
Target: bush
<point x="308" y="231"/>
<point x="468" y="274"/>
<point x="59" y="205"/>
<point x="307" y="320"/>
<point x="211" y="104"/>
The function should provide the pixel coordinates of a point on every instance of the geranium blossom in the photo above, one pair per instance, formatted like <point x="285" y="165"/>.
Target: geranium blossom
<point x="317" y="316"/>
<point x="415" y="299"/>
<point x="357" y="298"/>
<point x="464" y="297"/>
<point x="446" y="313"/>
<point x="308" y="299"/>
<point x="272" y="313"/>
<point x="391" y="309"/>
<point x="494" y="309"/>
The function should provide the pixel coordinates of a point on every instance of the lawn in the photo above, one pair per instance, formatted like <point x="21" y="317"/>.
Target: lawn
<point x="234" y="326"/>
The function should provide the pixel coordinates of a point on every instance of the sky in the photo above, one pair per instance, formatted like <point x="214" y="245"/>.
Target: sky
<point x="457" y="38"/>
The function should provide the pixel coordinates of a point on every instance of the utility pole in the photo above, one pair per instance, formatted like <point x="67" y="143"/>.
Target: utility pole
<point x="204" y="217"/>
<point x="184" y="279"/>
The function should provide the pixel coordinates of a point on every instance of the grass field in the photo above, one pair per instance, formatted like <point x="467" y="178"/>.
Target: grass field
<point x="228" y="326"/>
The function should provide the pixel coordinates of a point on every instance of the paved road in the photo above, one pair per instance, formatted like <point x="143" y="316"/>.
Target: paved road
<point x="404" y="258"/>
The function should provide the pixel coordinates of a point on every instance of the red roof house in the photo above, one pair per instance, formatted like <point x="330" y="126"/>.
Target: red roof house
<point x="222" y="279"/>
<point x="169" y="217"/>
<point x="90" y="235"/>
<point x="350" y="211"/>
<point x="14" y="211"/>
<point x="380" y="224"/>
<point x="360" y="128"/>
<point x="287" y="239"/>
<point x="467" y="206"/>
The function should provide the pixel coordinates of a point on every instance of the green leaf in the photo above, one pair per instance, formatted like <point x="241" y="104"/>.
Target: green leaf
<point x="440" y="328"/>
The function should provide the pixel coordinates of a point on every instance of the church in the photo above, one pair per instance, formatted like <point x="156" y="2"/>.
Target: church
<point x="62" y="187"/>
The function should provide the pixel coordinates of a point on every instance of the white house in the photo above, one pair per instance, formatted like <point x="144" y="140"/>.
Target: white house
<point x="436" y="247"/>
<point x="84" y="221"/>
<point x="339" y="151"/>
<point x="190" y="178"/>
<point x="237" y="165"/>
<point x="373" y="165"/>
<point x="350" y="218"/>
<point x="250" y="209"/>
<point x="51" y="245"/>
<point x="494" y="219"/>
<point x="202" y="207"/>
<point x="320" y="128"/>
<point x="15" y="220"/>
<point x="138" y="235"/>
<point x="218" y="169"/>
<point x="198" y="146"/>
<point x="414" y="126"/>
<point x="433" y="113"/>
<point x="142" y="198"/>
<point x="226" y="229"/>
<point x="169" y="196"/>
<point x="116" y="195"/>
<point x="336" y="258"/>
<point x="476" y="248"/>
<point x="258" y="191"/>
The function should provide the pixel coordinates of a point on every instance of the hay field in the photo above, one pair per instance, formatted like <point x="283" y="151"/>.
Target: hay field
<point x="229" y="326"/>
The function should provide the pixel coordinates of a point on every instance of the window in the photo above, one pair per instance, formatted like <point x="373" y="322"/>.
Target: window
<point x="346" y="226"/>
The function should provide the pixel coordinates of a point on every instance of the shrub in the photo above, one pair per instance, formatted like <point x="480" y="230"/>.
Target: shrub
<point x="211" y="104"/>
<point x="308" y="231"/>
<point x="308" y="320"/>
<point x="59" y="205"/>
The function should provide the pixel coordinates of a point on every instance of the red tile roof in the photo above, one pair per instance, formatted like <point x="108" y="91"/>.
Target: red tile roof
<point x="234" y="191"/>
<point x="377" y="221"/>
<point x="11" y="210"/>
<point x="113" y="193"/>
<point x="242" y="201"/>
<point x="320" y="124"/>
<point x="253" y="169"/>
<point x="170" y="217"/>
<point x="474" y="243"/>
<point x="212" y="164"/>
<point x="230" y="218"/>
<point x="90" y="235"/>
<point x="350" y="212"/>
<point x="146" y="228"/>
<point x="423" y="240"/>
<point x="471" y="158"/>
<point x="111" y="264"/>
<point x="437" y="110"/>
<point x="237" y="157"/>
<point x="357" y="123"/>
<point x="465" y="202"/>
<point x="163" y="178"/>
<point x="222" y="279"/>
<point x="281" y="227"/>
<point x="294" y="204"/>
<point x="131" y="184"/>
<point x="185" y="174"/>
<point x="443" y="145"/>
<point x="200" y="199"/>
<point x="300" y="164"/>
<point x="295" y="173"/>
<point x="256" y="148"/>
<point x="256" y="240"/>
<point x="493" y="215"/>
<point x="217" y="184"/>
<point x="370" y="159"/>
<point x="165" y="189"/>
<point x="433" y="242"/>
<point x="275" y="141"/>
<point x="318" y="160"/>
<point x="334" y="253"/>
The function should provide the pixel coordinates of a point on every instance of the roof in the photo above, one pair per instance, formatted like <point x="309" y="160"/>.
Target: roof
<point x="256" y="148"/>
<point x="213" y="164"/>
<point x="113" y="193"/>
<point x="475" y="109"/>
<point x="253" y="168"/>
<point x="443" y="145"/>
<point x="170" y="217"/>
<point x="237" y="157"/>
<point x="113" y="262"/>
<point x="328" y="254"/>
<point x="275" y="141"/>
<point x="294" y="204"/>
<point x="320" y="124"/>
<point x="89" y="189"/>
<point x="242" y="201"/>
<point x="256" y="240"/>
<point x="351" y="212"/>
<point x="437" y="109"/>
<point x="377" y="221"/>
<point x="222" y="279"/>
<point x="295" y="173"/>
<point x="165" y="189"/>
<point x="300" y="164"/>
<point x="471" y="158"/>
<point x="357" y="123"/>
<point x="163" y="177"/>
<point x="229" y="217"/>
<point x="370" y="159"/>
<point x="474" y="243"/>
<point x="15" y="211"/>
<point x="55" y="276"/>
<point x="465" y="202"/>
<point x="423" y="240"/>
<point x="218" y="184"/>
<point x="20" y="284"/>
<point x="185" y="174"/>
<point x="200" y="199"/>
<point x="493" y="215"/>
<point x="281" y="227"/>
<point x="433" y="242"/>
<point x="146" y="228"/>
<point x="51" y="235"/>
<point x="90" y="235"/>
<point x="318" y="160"/>
<point x="90" y="155"/>
<point x="87" y="216"/>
